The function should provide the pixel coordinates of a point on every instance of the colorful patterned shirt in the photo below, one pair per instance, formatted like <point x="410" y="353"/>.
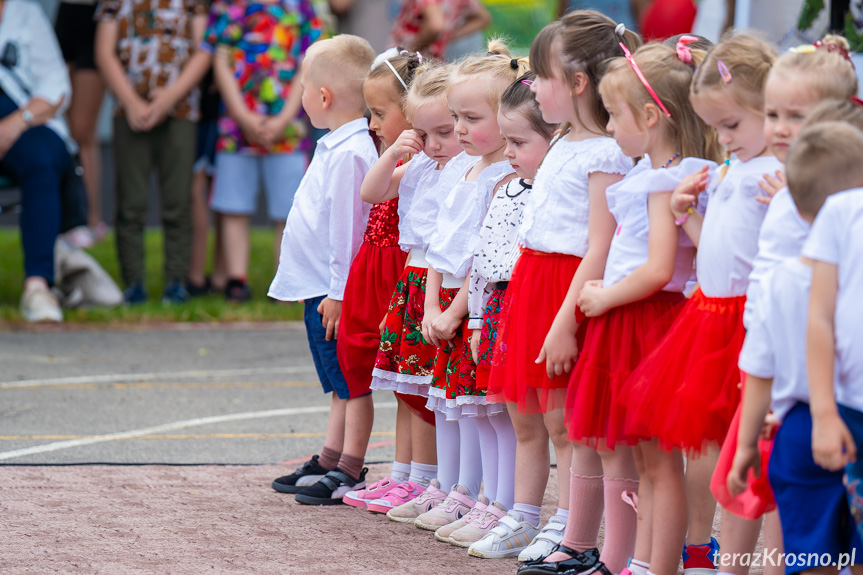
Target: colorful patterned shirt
<point x="154" y="41"/>
<point x="266" y="40"/>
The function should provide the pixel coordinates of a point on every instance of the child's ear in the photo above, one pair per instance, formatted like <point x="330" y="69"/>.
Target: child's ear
<point x="580" y="83"/>
<point x="326" y="98"/>
<point x="651" y="115"/>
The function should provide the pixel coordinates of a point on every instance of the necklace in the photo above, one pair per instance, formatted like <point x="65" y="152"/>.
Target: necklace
<point x="668" y="163"/>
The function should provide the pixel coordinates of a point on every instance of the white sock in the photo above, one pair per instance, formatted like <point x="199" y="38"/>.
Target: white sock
<point x="562" y="514"/>
<point x="422" y="473"/>
<point x="528" y="512"/>
<point x="470" y="458"/>
<point x="505" y="494"/>
<point x="447" y="436"/>
<point x="489" y="451"/>
<point x="401" y="471"/>
<point x="638" y="567"/>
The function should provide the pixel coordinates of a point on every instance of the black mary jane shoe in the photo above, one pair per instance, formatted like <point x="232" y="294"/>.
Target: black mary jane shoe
<point x="586" y="563"/>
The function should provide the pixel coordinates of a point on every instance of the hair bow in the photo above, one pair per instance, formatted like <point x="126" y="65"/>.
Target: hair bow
<point x="684" y="52"/>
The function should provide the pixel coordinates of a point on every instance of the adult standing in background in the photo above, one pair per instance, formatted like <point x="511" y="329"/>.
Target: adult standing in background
<point x="431" y="25"/>
<point x="369" y="19"/>
<point x="76" y="33"/>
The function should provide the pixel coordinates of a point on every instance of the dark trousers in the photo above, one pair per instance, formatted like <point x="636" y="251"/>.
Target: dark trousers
<point x="170" y="149"/>
<point x="37" y="162"/>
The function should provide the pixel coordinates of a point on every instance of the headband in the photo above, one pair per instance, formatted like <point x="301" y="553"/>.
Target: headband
<point x="644" y="81"/>
<point x="399" y="78"/>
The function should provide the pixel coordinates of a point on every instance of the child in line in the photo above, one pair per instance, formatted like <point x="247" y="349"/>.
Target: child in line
<point x="569" y="57"/>
<point x="453" y="395"/>
<point x="649" y="264"/>
<point x="697" y="358"/>
<point x="324" y="231"/>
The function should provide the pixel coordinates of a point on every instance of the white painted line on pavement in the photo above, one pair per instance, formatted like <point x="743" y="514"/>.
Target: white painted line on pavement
<point x="58" y="445"/>
<point x="134" y="377"/>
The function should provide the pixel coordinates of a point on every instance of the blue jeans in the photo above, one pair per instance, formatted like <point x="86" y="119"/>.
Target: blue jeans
<point x="37" y="162"/>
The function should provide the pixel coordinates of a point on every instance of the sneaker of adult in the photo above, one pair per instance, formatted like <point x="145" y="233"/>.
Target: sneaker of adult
<point x="308" y="474"/>
<point x="701" y="559"/>
<point x="477" y="529"/>
<point x="445" y="533"/>
<point x="507" y="539"/>
<point x="134" y="294"/>
<point x="427" y="500"/>
<point x="403" y="493"/>
<point x="545" y="541"/>
<point x="456" y="505"/>
<point x="578" y="564"/>
<point x="361" y="498"/>
<point x="331" y="488"/>
<point x="39" y="304"/>
<point x="175" y="292"/>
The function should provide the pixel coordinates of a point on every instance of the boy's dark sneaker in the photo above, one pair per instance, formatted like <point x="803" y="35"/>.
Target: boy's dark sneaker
<point x="579" y="564"/>
<point x="134" y="294"/>
<point x="309" y="474"/>
<point x="198" y="290"/>
<point x="331" y="488"/>
<point x="237" y="291"/>
<point x="175" y="292"/>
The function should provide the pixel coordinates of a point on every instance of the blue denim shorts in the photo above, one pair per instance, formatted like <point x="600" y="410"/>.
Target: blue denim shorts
<point x="239" y="177"/>
<point x="323" y="351"/>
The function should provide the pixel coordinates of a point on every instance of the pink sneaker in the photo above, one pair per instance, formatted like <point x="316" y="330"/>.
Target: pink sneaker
<point x="456" y="505"/>
<point x="402" y="493"/>
<point x="408" y="512"/>
<point x="374" y="491"/>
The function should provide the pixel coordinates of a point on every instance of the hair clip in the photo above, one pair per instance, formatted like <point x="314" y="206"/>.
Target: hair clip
<point x="724" y="72"/>
<point x="804" y="49"/>
<point x="684" y="52"/>
<point x="620" y="29"/>
<point x="644" y="81"/>
<point x="854" y="100"/>
<point x="530" y="83"/>
<point x="398" y="77"/>
<point x="419" y="58"/>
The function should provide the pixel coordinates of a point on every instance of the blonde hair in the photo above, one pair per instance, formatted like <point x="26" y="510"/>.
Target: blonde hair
<point x="430" y="83"/>
<point x="341" y="64"/>
<point x="586" y="40"/>
<point x="823" y="160"/>
<point x="497" y="70"/>
<point x="836" y="111"/>
<point x="405" y="66"/>
<point x="828" y="74"/>
<point x="670" y="79"/>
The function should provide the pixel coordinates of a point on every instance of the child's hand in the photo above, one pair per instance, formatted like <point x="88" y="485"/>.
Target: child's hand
<point x="138" y="114"/>
<point x="686" y="192"/>
<point x="273" y="130"/>
<point x="591" y="300"/>
<point x="252" y="125"/>
<point x="445" y="326"/>
<point x="428" y="319"/>
<point x="475" y="338"/>
<point x="382" y="325"/>
<point x="745" y="459"/>
<point x="559" y="350"/>
<point x="408" y="142"/>
<point x="833" y="445"/>
<point x="770" y="185"/>
<point x="160" y="107"/>
<point x="331" y="310"/>
<point x="768" y="429"/>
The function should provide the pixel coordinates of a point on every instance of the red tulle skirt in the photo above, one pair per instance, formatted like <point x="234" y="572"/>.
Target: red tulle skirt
<point x="538" y="286"/>
<point x="758" y="498"/>
<point x="614" y="345"/>
<point x="490" y="326"/>
<point x="685" y="392"/>
<point x="370" y="284"/>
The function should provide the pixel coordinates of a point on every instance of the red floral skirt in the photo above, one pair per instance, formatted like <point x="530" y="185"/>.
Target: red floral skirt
<point x="490" y="325"/>
<point x="686" y="391"/>
<point x="538" y="287"/>
<point x="372" y="277"/>
<point x="614" y="345"/>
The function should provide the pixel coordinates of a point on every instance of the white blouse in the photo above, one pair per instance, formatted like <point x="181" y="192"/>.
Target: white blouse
<point x="496" y="247"/>
<point x="627" y="202"/>
<point x="729" y="234"/>
<point x="419" y="203"/>
<point x="460" y="218"/>
<point x="556" y="217"/>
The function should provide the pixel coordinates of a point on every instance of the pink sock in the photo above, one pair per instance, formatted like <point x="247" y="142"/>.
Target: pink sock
<point x="586" y="503"/>
<point x="620" y="524"/>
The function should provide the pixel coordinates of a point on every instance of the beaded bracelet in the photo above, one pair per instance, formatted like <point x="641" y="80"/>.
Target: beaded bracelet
<point x="682" y="220"/>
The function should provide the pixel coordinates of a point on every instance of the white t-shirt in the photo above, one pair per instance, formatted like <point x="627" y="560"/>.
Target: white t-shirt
<point x="627" y="202"/>
<point x="837" y="238"/>
<point x="775" y="344"/>
<point x="782" y="235"/>
<point x="460" y="218"/>
<point x="729" y="234"/>
<point x="419" y="202"/>
<point x="556" y="217"/>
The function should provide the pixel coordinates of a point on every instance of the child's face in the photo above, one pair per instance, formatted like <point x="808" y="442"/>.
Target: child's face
<point x="475" y="122"/>
<point x="387" y="119"/>
<point x="525" y="147"/>
<point x="433" y="122"/>
<point x="554" y="95"/>
<point x="311" y="101"/>
<point x="622" y="124"/>
<point x="786" y="106"/>
<point x="740" y="129"/>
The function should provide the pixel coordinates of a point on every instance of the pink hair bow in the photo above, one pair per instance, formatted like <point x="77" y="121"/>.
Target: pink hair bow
<point x="684" y="53"/>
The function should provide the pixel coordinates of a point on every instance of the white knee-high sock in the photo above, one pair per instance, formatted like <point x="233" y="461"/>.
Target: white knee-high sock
<point x="488" y="450"/>
<point x="470" y="457"/>
<point x="447" y="436"/>
<point x="505" y="459"/>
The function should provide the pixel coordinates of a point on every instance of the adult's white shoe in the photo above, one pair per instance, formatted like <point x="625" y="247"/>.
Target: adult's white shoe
<point x="545" y="541"/>
<point x="508" y="539"/>
<point x="38" y="303"/>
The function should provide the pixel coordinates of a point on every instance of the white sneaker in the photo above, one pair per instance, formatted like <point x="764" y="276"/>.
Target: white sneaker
<point x="508" y="539"/>
<point x="38" y="303"/>
<point x="545" y="541"/>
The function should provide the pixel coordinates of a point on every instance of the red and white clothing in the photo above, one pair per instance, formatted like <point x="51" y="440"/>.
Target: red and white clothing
<point x="409" y="21"/>
<point x="419" y="202"/>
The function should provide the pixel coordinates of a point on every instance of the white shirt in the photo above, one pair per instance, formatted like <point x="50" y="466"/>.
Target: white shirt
<point x="497" y="246"/>
<point x="775" y="344"/>
<point x="556" y="217"/>
<point x="627" y="202"/>
<point x="783" y="233"/>
<point x="326" y="223"/>
<point x="419" y="203"/>
<point x="460" y="217"/>
<point x="837" y="238"/>
<point x="729" y="234"/>
<point x="40" y="68"/>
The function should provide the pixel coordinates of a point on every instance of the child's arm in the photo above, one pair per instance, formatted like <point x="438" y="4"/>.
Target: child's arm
<point x="446" y="324"/>
<point x="382" y="181"/>
<point x="432" y="305"/>
<point x="164" y="100"/>
<point x="475" y="308"/>
<point x="250" y="122"/>
<point x="770" y="184"/>
<point x="756" y="404"/>
<point x="432" y="26"/>
<point x="832" y="444"/>
<point x="560" y="349"/>
<point x="135" y="107"/>
<point x="648" y="278"/>
<point x="683" y="203"/>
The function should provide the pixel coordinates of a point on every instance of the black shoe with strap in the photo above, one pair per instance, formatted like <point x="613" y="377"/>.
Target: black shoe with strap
<point x="586" y="563"/>
<point x="331" y="488"/>
<point x="309" y="474"/>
